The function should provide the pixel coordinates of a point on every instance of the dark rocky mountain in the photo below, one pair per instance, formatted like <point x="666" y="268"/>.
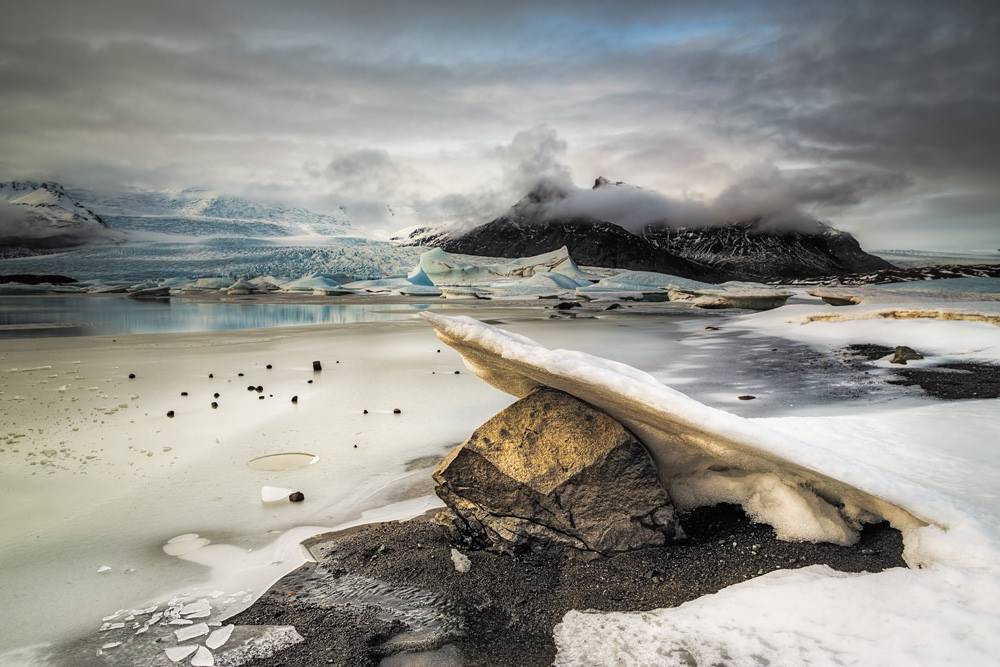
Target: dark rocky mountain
<point x="747" y="250"/>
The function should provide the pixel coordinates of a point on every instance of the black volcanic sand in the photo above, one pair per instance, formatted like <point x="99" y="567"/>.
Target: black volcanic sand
<point x="947" y="381"/>
<point x="509" y="606"/>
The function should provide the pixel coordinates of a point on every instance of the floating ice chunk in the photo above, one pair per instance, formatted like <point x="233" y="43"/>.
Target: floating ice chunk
<point x="196" y="630"/>
<point x="111" y="626"/>
<point x="274" y="494"/>
<point x="178" y="653"/>
<point x="322" y="283"/>
<point x="644" y="280"/>
<point x="200" y="605"/>
<point x="219" y="637"/>
<point x="105" y="647"/>
<point x="419" y="290"/>
<point x="184" y="544"/>
<point x="104" y="569"/>
<point x="179" y="621"/>
<point x="202" y="658"/>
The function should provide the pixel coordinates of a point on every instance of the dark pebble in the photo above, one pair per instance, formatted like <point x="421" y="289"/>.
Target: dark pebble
<point x="259" y="389"/>
<point x="397" y="411"/>
<point x="364" y="412"/>
<point x="170" y="413"/>
<point x="240" y="374"/>
<point x="251" y="388"/>
<point x="131" y="376"/>
<point x="457" y="372"/>
<point x="309" y="381"/>
<point x="295" y="399"/>
<point x="355" y="446"/>
<point x="215" y="395"/>
<point x="317" y="366"/>
<point x="184" y="393"/>
<point x="210" y="375"/>
<point x="711" y="328"/>
<point x="261" y="397"/>
<point x="214" y="405"/>
<point x="268" y="367"/>
<point x="296" y="496"/>
<point x="746" y="397"/>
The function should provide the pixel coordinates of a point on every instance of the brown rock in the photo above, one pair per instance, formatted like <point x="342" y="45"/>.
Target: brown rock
<point x="902" y="354"/>
<point x="551" y="472"/>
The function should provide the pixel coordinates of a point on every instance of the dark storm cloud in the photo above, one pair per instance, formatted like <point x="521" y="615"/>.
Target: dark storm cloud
<point x="854" y="106"/>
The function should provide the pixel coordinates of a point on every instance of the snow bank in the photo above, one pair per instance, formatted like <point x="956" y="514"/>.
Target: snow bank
<point x="934" y="327"/>
<point x="690" y="440"/>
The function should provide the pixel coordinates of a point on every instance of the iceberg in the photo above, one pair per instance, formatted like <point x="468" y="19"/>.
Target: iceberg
<point x="442" y="268"/>
<point x="316" y="283"/>
<point x="751" y="298"/>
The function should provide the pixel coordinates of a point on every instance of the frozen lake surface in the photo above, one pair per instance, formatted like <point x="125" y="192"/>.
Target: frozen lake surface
<point x="75" y="315"/>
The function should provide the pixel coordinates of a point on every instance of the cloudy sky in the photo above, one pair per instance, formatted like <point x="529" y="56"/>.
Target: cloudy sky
<point x="881" y="117"/>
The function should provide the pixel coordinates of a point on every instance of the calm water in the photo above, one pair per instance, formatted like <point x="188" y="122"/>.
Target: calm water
<point x="34" y="316"/>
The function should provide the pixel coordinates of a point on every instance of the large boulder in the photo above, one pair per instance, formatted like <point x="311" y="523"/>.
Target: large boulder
<point x="551" y="473"/>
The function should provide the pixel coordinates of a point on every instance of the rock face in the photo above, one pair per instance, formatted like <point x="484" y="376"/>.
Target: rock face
<point x="551" y="473"/>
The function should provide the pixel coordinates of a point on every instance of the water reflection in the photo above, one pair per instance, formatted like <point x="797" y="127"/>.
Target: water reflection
<point x="31" y="317"/>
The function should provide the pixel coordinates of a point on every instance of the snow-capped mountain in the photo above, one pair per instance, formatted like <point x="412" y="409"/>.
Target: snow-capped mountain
<point x="206" y="206"/>
<point x="37" y="215"/>
<point x="600" y="228"/>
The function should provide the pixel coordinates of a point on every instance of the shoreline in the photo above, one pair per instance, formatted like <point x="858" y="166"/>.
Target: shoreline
<point x="502" y="612"/>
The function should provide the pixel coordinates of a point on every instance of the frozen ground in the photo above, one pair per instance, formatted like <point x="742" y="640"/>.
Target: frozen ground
<point x="93" y="473"/>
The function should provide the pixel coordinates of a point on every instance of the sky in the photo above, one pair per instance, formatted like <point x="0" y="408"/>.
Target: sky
<point x="882" y="118"/>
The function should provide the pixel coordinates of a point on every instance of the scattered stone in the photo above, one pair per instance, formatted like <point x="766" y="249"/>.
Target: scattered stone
<point x="460" y="561"/>
<point x="295" y="399"/>
<point x="170" y="413"/>
<point x="268" y="367"/>
<point x="296" y="497"/>
<point x="215" y="395"/>
<point x="711" y="328"/>
<point x="317" y="366"/>
<point x="902" y="354"/>
<point x="364" y="412"/>
<point x="457" y="372"/>
<point x="184" y="393"/>
<point x="746" y="397"/>
<point x="261" y="398"/>
<point x="309" y="381"/>
<point x="551" y="472"/>
<point x="239" y="374"/>
<point x="131" y="376"/>
<point x="250" y="387"/>
<point x="259" y="389"/>
<point x="215" y="405"/>
<point x="396" y="411"/>
<point x="211" y="375"/>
